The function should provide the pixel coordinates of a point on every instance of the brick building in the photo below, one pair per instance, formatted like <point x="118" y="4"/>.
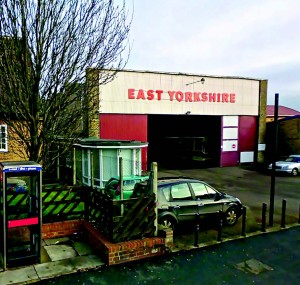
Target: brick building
<point x="283" y="112"/>
<point x="220" y="121"/>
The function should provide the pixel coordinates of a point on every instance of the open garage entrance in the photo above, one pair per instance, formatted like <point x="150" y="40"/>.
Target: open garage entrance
<point x="184" y="141"/>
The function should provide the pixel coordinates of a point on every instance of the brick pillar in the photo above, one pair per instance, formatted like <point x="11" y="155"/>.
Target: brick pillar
<point x="262" y="120"/>
<point x="91" y="102"/>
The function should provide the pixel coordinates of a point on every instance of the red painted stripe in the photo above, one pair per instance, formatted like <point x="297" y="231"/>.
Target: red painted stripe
<point x="23" y="222"/>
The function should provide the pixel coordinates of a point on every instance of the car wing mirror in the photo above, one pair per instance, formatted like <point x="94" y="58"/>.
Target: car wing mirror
<point x="218" y="196"/>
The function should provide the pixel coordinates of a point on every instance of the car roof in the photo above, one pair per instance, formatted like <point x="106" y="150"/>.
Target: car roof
<point x="129" y="177"/>
<point x="294" y="155"/>
<point x="171" y="179"/>
<point x="167" y="180"/>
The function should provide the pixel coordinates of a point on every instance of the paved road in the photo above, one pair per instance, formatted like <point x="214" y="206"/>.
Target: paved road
<point x="270" y="258"/>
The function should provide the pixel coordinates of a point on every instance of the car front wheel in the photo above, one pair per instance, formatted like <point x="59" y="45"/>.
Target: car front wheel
<point x="294" y="172"/>
<point x="167" y="222"/>
<point x="231" y="217"/>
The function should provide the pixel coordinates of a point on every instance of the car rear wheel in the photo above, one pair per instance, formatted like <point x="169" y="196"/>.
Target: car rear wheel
<point x="294" y="172"/>
<point x="231" y="216"/>
<point x="167" y="222"/>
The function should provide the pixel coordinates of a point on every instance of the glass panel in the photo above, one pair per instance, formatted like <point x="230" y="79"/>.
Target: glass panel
<point x="110" y="164"/>
<point x="85" y="163"/>
<point x="22" y="193"/>
<point x="96" y="165"/>
<point x="199" y="190"/>
<point x="211" y="191"/>
<point x="166" y="191"/>
<point x="181" y="192"/>
<point x="126" y="155"/>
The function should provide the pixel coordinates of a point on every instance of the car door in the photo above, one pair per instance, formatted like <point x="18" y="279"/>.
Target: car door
<point x="182" y="201"/>
<point x="206" y="198"/>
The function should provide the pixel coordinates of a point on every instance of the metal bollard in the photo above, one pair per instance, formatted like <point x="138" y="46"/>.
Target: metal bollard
<point x="220" y="225"/>
<point x="197" y="227"/>
<point x="263" y="217"/>
<point x="283" y="210"/>
<point x="299" y="215"/>
<point x="244" y="218"/>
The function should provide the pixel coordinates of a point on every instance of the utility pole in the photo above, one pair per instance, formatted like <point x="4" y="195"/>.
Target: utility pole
<point x="274" y="155"/>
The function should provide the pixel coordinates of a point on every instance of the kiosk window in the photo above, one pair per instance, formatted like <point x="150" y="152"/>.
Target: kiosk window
<point x="16" y="184"/>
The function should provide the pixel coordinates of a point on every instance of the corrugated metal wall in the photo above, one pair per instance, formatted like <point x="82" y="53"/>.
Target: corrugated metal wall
<point x="125" y="127"/>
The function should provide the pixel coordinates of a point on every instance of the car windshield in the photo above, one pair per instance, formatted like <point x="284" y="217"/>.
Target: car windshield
<point x="293" y="159"/>
<point x="128" y="184"/>
<point x="113" y="184"/>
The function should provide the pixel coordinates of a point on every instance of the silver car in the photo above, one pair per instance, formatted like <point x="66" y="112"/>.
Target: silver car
<point x="291" y="165"/>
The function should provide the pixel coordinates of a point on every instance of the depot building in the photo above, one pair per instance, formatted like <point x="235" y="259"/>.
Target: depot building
<point x="187" y="119"/>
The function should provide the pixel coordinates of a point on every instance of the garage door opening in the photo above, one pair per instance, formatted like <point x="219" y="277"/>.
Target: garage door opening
<point x="184" y="141"/>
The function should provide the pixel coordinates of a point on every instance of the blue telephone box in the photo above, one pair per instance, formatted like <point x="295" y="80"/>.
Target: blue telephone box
<point x="21" y="213"/>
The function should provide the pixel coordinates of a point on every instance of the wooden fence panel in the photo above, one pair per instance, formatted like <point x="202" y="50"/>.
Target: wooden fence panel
<point x="137" y="220"/>
<point x="101" y="211"/>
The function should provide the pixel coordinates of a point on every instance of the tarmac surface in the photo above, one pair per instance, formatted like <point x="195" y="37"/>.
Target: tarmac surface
<point x="267" y="258"/>
<point x="271" y="257"/>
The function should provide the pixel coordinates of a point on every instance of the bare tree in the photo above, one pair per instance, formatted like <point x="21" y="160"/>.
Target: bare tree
<point x="45" y="49"/>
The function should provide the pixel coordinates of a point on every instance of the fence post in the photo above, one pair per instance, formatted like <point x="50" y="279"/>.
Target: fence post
<point x="121" y="184"/>
<point x="86" y="196"/>
<point x="283" y="210"/>
<point x="92" y="168"/>
<point x="220" y="225"/>
<point x="263" y="217"/>
<point x="197" y="227"/>
<point x="74" y="166"/>
<point x="244" y="221"/>
<point x="154" y="185"/>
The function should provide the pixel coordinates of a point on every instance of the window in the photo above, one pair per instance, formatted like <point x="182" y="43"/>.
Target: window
<point x="211" y="192"/>
<point x="85" y="167"/>
<point x="111" y="163"/>
<point x="199" y="190"/>
<point x="166" y="191"/>
<point x="3" y="138"/>
<point x="129" y="184"/>
<point x="203" y="191"/>
<point x="181" y="192"/>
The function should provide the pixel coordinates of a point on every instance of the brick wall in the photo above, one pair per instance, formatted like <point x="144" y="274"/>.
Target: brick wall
<point x="262" y="119"/>
<point x="61" y="229"/>
<point x="15" y="148"/>
<point x="289" y="136"/>
<point x="111" y="253"/>
<point x="124" y="251"/>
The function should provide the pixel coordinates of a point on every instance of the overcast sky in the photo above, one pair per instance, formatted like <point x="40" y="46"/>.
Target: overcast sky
<point x="249" y="38"/>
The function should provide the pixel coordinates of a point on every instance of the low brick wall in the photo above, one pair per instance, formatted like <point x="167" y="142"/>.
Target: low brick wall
<point x="124" y="251"/>
<point x="61" y="229"/>
<point x="167" y="234"/>
<point x="111" y="253"/>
